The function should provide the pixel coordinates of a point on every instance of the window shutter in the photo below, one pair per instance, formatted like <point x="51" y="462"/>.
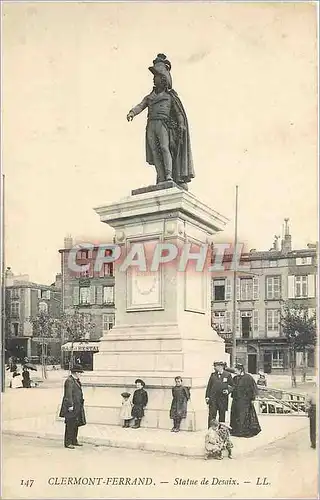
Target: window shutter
<point x="228" y="289"/>
<point x="268" y="320"/>
<point x="228" y="321"/>
<point x="238" y="289"/>
<point x="76" y="291"/>
<point x="278" y="319"/>
<point x="279" y="295"/>
<point x="212" y="289"/>
<point x="311" y="285"/>
<point x="255" y="322"/>
<point x="269" y="287"/>
<point x="99" y="294"/>
<point x="101" y="272"/>
<point x="92" y="294"/>
<point x="39" y="294"/>
<point x="237" y="323"/>
<point x="291" y="284"/>
<point x="90" y="270"/>
<point x="256" y="288"/>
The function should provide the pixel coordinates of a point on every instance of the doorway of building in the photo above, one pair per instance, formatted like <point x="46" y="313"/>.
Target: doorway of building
<point x="245" y="326"/>
<point x="267" y="362"/>
<point x="252" y="363"/>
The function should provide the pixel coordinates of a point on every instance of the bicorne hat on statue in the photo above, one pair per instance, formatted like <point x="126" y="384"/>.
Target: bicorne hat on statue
<point x="162" y="66"/>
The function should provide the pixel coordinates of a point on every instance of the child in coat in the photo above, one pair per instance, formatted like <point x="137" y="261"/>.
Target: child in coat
<point x="140" y="401"/>
<point x="217" y="440"/>
<point x="180" y="398"/>
<point x="126" y="408"/>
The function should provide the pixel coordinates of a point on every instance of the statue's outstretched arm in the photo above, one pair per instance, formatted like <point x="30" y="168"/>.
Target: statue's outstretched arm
<point x="137" y="109"/>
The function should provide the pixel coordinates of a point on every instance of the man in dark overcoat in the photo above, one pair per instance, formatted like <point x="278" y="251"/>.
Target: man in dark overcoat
<point x="218" y="389"/>
<point x="72" y="408"/>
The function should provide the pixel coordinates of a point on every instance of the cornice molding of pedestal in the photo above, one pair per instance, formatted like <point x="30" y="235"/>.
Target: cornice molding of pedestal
<point x="162" y="203"/>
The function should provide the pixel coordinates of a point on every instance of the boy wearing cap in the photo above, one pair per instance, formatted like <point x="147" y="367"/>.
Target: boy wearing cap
<point x="72" y="407"/>
<point x="140" y="401"/>
<point x="218" y="389"/>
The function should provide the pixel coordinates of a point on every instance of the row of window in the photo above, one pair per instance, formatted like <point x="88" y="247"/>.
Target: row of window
<point x="248" y="288"/>
<point x="81" y="296"/>
<point x="15" y="294"/>
<point x="107" y="324"/>
<point x="106" y="270"/>
<point x="85" y="295"/>
<point x="247" y="322"/>
<point x="300" y="261"/>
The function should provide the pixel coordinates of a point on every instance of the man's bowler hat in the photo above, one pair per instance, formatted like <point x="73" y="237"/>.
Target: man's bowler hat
<point x="219" y="363"/>
<point x="76" y="369"/>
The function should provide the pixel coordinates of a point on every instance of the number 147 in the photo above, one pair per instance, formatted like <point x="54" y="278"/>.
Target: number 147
<point x="27" y="482"/>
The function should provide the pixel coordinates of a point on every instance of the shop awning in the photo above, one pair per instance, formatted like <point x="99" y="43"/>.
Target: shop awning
<point x="81" y="346"/>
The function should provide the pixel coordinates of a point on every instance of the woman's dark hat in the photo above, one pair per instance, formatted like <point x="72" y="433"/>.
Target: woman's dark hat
<point x="141" y="382"/>
<point x="76" y="369"/>
<point x="239" y="366"/>
<point x="125" y="394"/>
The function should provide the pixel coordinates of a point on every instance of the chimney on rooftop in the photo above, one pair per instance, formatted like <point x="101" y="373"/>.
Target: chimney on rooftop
<point x="68" y="241"/>
<point x="286" y="243"/>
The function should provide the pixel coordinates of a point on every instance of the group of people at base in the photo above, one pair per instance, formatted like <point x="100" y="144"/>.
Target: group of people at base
<point x="243" y="421"/>
<point x="19" y="376"/>
<point x="243" y="390"/>
<point x="133" y="408"/>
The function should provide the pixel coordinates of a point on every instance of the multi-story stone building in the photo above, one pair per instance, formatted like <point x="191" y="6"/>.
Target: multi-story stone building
<point x="273" y="277"/>
<point x="24" y="300"/>
<point x="89" y="292"/>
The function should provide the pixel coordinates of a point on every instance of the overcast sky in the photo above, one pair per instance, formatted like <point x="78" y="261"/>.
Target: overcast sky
<point x="246" y="74"/>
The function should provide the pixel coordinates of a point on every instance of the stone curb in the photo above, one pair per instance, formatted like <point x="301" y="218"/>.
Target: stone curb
<point x="163" y="448"/>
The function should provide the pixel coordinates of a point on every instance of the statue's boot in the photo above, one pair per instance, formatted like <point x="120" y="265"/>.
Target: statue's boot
<point x="183" y="185"/>
<point x="168" y="175"/>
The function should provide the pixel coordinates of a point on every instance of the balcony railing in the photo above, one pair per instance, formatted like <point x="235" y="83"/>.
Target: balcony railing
<point x="277" y="402"/>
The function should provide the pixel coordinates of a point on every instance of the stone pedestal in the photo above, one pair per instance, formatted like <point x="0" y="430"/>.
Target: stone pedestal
<point x="163" y="317"/>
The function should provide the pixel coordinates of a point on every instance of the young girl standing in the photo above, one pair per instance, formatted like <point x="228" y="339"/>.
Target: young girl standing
<point x="180" y="398"/>
<point x="126" y="407"/>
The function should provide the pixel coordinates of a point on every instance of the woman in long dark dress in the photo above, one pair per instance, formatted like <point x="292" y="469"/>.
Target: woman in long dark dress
<point x="244" y="421"/>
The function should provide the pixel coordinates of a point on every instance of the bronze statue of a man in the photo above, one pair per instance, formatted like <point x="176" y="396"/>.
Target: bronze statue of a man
<point x="167" y="134"/>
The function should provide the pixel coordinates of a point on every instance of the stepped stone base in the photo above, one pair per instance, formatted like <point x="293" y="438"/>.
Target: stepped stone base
<point x="163" y="317"/>
<point x="103" y="402"/>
